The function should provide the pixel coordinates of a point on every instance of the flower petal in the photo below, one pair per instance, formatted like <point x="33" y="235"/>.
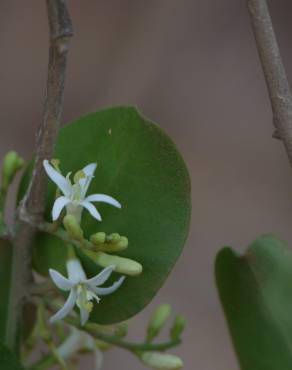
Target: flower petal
<point x="57" y="178"/>
<point x="75" y="271"/>
<point x="84" y="315"/>
<point x="60" y="281"/>
<point x="84" y="185"/>
<point x="89" y="169"/>
<point x="111" y="289"/>
<point x="103" y="198"/>
<point x="101" y="277"/>
<point x="68" y="306"/>
<point x="59" y="204"/>
<point x="92" y="210"/>
<point x="85" y="182"/>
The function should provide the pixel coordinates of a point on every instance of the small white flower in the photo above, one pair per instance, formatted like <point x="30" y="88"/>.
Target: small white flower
<point x="82" y="290"/>
<point x="74" y="194"/>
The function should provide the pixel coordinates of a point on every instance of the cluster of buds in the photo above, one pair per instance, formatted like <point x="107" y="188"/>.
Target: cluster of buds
<point x="109" y="243"/>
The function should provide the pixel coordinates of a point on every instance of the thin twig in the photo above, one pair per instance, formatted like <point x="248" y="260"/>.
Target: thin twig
<point x="93" y="329"/>
<point x="274" y="71"/>
<point x="32" y="207"/>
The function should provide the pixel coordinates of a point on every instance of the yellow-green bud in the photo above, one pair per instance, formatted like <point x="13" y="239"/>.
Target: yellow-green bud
<point x="157" y="320"/>
<point x="113" y="238"/>
<point x="122" y="265"/>
<point x="56" y="164"/>
<point x="161" y="361"/>
<point x="98" y="238"/>
<point x="120" y="246"/>
<point x="123" y="243"/>
<point x="178" y="327"/>
<point x="121" y="330"/>
<point x="72" y="227"/>
<point x="12" y="163"/>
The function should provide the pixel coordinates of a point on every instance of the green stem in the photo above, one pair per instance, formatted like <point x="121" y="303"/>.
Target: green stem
<point x="63" y="235"/>
<point x="92" y="329"/>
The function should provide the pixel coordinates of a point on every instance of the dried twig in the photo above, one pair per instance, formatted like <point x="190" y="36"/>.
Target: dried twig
<point x="274" y="71"/>
<point x="31" y="209"/>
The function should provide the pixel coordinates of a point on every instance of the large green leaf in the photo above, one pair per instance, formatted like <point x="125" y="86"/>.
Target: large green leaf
<point x="8" y="361"/>
<point x="139" y="165"/>
<point x="5" y="268"/>
<point x="256" y="293"/>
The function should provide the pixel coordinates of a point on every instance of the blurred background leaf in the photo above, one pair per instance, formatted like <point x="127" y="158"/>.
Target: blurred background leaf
<point x="256" y="294"/>
<point x="139" y="165"/>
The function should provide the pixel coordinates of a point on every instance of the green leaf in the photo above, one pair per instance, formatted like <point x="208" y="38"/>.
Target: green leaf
<point x="8" y="361"/>
<point x="256" y="293"/>
<point x="5" y="269"/>
<point x="138" y="165"/>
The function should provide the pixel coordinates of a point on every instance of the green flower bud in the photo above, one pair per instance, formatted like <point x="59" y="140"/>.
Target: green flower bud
<point x="121" y="330"/>
<point x="12" y="163"/>
<point x="113" y="238"/>
<point x="120" y="246"/>
<point x="56" y="164"/>
<point x="72" y="227"/>
<point x="157" y="321"/>
<point x="123" y="265"/>
<point x="98" y="238"/>
<point x="178" y="327"/>
<point x="161" y="361"/>
<point x="123" y="243"/>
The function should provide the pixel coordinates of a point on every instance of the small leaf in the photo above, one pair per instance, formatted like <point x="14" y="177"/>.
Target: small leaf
<point x="8" y="361"/>
<point x="256" y="293"/>
<point x="138" y="165"/>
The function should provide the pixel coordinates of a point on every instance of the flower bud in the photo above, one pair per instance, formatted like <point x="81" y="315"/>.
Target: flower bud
<point x="161" y="361"/>
<point x="123" y="243"/>
<point x="72" y="227"/>
<point x="178" y="327"/>
<point x="158" y="320"/>
<point x="121" y="330"/>
<point x="122" y="265"/>
<point x="120" y="246"/>
<point x="98" y="238"/>
<point x="12" y="163"/>
<point x="113" y="238"/>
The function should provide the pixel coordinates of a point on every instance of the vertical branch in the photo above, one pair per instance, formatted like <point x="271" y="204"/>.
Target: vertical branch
<point x="60" y="32"/>
<point x="277" y="83"/>
<point x="32" y="207"/>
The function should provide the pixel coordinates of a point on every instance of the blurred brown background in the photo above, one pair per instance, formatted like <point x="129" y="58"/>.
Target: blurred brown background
<point x="191" y="66"/>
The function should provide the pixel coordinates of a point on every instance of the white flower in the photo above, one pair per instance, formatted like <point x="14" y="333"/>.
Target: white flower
<point x="82" y="290"/>
<point x="74" y="194"/>
<point x="77" y="341"/>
